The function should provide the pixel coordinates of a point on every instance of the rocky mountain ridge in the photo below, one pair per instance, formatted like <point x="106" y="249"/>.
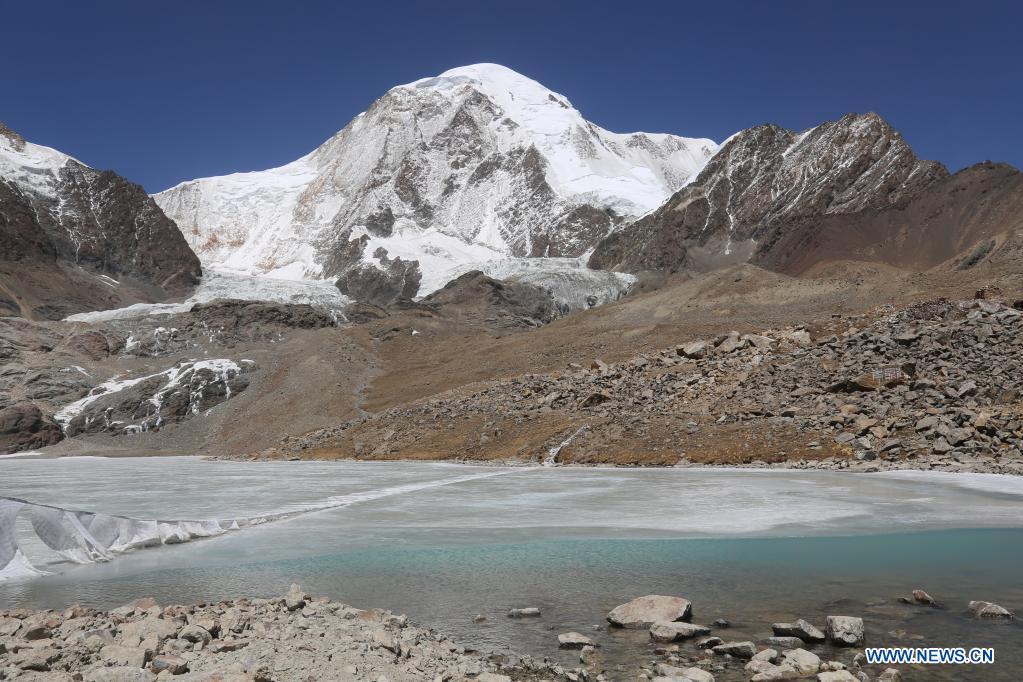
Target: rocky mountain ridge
<point x="764" y="181"/>
<point x="78" y="239"/>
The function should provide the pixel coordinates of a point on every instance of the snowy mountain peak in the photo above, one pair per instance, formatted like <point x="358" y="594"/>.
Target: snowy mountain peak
<point x="438" y="176"/>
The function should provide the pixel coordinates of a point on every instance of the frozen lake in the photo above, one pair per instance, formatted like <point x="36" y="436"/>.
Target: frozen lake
<point x="444" y="542"/>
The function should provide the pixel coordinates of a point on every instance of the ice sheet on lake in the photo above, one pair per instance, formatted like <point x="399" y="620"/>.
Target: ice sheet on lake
<point x="83" y="537"/>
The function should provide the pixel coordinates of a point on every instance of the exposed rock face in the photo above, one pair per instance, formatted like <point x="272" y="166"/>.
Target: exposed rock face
<point x="763" y="183"/>
<point x="474" y="295"/>
<point x="146" y="403"/>
<point x="475" y="164"/>
<point x="77" y="239"/>
<point x="24" y="427"/>
<point x="381" y="285"/>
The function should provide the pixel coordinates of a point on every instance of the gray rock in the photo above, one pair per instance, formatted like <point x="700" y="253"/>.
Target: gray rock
<point x="175" y="665"/>
<point x="574" y="640"/>
<point x="528" y="612"/>
<point x="844" y="630"/>
<point x="802" y="629"/>
<point x="784" y="642"/>
<point x="664" y="631"/>
<point x="643" y="612"/>
<point x="986" y="609"/>
<point x="736" y="649"/>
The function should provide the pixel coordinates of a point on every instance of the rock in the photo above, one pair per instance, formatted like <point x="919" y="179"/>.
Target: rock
<point x="574" y="640"/>
<point x="694" y="350"/>
<point x="844" y="630"/>
<point x="664" y="631"/>
<point x="195" y="634"/>
<point x="721" y="623"/>
<point x="23" y="426"/>
<point x="836" y="676"/>
<point x="589" y="656"/>
<point x="118" y="674"/>
<point x="696" y="675"/>
<point x="493" y="677"/>
<point x="737" y="649"/>
<point x="709" y="642"/>
<point x="124" y="656"/>
<point x="921" y="597"/>
<point x="804" y="662"/>
<point x="528" y="612"/>
<point x="34" y="631"/>
<point x="479" y="618"/>
<point x="801" y="629"/>
<point x="985" y="609"/>
<point x="784" y="642"/>
<point x="151" y="626"/>
<point x="643" y="612"/>
<point x="890" y="675"/>
<point x="175" y="665"/>
<point x="731" y="343"/>
<point x="295" y="598"/>
<point x="382" y="639"/>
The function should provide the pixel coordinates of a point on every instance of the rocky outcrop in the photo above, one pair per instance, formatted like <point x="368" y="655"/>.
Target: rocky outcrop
<point x="128" y="406"/>
<point x="765" y="183"/>
<point x="474" y="296"/>
<point x="23" y="426"/>
<point x="381" y="284"/>
<point x="78" y="239"/>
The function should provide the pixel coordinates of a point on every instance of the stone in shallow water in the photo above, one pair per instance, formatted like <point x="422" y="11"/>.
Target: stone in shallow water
<point x="737" y="649"/>
<point x="528" y="612"/>
<point x="574" y="640"/>
<point x="801" y="629"/>
<point x="844" y="630"/>
<point x="986" y="609"/>
<point x="645" y="611"/>
<point x="784" y="642"/>
<point x="663" y="631"/>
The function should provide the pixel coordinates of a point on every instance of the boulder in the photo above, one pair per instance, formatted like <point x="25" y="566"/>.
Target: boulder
<point x="195" y="634"/>
<point x="574" y="640"/>
<point x="803" y="661"/>
<point x="664" y="631"/>
<point x="844" y="630"/>
<point x="131" y="657"/>
<point x="890" y="675"/>
<point x="836" y="676"/>
<point x="693" y="350"/>
<point x="175" y="665"/>
<point x="696" y="675"/>
<point x="528" y="612"/>
<point x="801" y="629"/>
<point x="921" y="597"/>
<point x="643" y="612"/>
<point x="985" y="609"/>
<point x="151" y="626"/>
<point x="736" y="649"/>
<point x="295" y="598"/>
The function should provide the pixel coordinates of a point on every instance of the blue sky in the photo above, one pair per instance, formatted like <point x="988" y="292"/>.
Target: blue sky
<point x="168" y="91"/>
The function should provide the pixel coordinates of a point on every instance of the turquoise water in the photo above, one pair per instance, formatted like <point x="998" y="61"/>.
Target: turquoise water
<point x="573" y="542"/>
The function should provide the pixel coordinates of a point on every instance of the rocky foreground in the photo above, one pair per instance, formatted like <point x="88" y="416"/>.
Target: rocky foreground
<point x="936" y="385"/>
<point x="297" y="637"/>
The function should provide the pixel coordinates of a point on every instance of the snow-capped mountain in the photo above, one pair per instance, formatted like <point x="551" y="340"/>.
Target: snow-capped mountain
<point x="477" y="164"/>
<point x="75" y="238"/>
<point x="767" y="183"/>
